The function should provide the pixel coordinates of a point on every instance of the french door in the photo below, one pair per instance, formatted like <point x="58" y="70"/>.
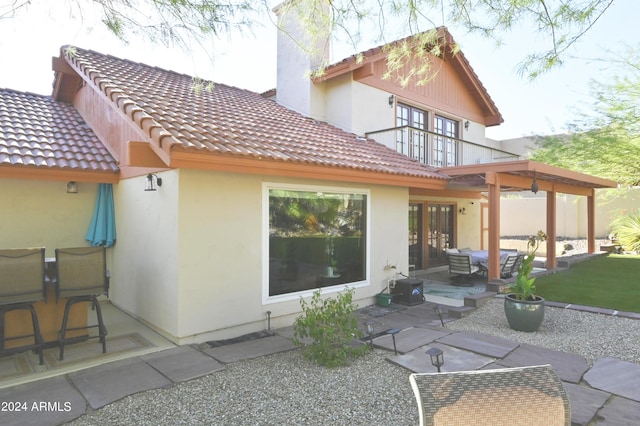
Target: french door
<point x="445" y="144"/>
<point x="416" y="236"/>
<point x="440" y="232"/>
<point x="411" y="139"/>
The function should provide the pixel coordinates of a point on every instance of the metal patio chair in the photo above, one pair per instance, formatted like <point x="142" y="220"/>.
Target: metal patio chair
<point x="22" y="285"/>
<point x="507" y="264"/>
<point x="81" y="277"/>
<point x="523" y="396"/>
<point x="462" y="265"/>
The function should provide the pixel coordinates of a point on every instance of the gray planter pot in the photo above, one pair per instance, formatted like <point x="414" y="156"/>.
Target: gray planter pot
<point x="524" y="315"/>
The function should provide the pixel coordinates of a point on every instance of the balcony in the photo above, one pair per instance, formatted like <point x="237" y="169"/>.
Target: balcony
<point x="437" y="150"/>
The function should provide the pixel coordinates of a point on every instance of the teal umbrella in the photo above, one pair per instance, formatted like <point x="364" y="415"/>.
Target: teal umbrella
<point x="102" y="230"/>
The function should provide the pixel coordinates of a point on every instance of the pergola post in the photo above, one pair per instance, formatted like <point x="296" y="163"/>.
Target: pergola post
<point x="493" y="180"/>
<point x="551" y="229"/>
<point x="591" y="222"/>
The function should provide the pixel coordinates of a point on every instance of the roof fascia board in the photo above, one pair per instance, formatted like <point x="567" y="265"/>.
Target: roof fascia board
<point x="452" y="193"/>
<point x="543" y="185"/>
<point x="305" y="171"/>
<point x="33" y="173"/>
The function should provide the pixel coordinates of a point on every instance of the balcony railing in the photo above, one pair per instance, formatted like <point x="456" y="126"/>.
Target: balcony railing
<point x="438" y="150"/>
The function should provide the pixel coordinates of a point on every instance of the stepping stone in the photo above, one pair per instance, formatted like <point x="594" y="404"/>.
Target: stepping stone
<point x="250" y="349"/>
<point x="50" y="401"/>
<point x="409" y="339"/>
<point x="570" y="367"/>
<point x="182" y="363"/>
<point x="455" y="359"/>
<point x="616" y="377"/>
<point x="619" y="411"/>
<point x="107" y="383"/>
<point x="585" y="403"/>
<point x="483" y="344"/>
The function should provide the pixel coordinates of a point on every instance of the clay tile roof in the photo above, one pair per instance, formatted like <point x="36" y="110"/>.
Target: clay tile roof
<point x="37" y="131"/>
<point x="231" y="121"/>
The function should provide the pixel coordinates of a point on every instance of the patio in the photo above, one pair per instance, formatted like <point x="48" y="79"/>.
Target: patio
<point x="126" y="338"/>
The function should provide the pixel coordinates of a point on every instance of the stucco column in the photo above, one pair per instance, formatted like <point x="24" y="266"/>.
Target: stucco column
<point x="591" y="222"/>
<point x="493" y="180"/>
<point x="551" y="229"/>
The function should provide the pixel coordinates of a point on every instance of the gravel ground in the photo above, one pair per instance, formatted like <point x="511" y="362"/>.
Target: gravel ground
<point x="286" y="389"/>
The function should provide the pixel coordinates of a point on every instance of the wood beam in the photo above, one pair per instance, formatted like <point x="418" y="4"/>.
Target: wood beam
<point x="591" y="223"/>
<point x="493" y="179"/>
<point x="551" y="230"/>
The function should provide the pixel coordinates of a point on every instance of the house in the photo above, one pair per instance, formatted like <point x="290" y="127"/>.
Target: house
<point x="342" y="180"/>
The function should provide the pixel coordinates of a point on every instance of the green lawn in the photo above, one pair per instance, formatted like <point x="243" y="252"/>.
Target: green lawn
<point x="610" y="281"/>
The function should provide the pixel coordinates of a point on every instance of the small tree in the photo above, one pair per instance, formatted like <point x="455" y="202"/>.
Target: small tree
<point x="331" y="325"/>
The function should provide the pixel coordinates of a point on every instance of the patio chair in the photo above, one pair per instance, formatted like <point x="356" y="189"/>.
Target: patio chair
<point x="462" y="265"/>
<point x="517" y="263"/>
<point x="21" y="285"/>
<point x="504" y="397"/>
<point x="506" y="266"/>
<point x="81" y="277"/>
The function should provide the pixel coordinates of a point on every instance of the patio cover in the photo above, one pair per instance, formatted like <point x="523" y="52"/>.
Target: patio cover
<point x="519" y="175"/>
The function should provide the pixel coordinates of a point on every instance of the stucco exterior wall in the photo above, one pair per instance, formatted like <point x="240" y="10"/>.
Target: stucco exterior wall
<point x="36" y="213"/>
<point x="195" y="271"/>
<point x="525" y="216"/>
<point x="145" y="273"/>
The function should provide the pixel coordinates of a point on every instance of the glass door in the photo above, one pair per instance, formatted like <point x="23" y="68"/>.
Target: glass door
<point x="440" y="232"/>
<point x="416" y="236"/>
<point x="444" y="145"/>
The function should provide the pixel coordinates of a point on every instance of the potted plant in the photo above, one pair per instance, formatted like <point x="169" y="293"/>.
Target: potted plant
<point x="523" y="309"/>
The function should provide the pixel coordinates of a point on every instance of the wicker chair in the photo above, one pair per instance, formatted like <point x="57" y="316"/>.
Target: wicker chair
<point x="21" y="285"/>
<point x="504" y="397"/>
<point x="81" y="277"/>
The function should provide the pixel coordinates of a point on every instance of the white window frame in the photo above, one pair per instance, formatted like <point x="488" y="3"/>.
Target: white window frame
<point x="266" y="187"/>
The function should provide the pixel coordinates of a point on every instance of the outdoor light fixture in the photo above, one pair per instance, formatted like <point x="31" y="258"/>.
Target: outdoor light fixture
<point x="368" y="328"/>
<point x="391" y="101"/>
<point x="72" y="187"/>
<point x="152" y="181"/>
<point x="462" y="211"/>
<point x="466" y="125"/>
<point x="534" y="184"/>
<point x="437" y="357"/>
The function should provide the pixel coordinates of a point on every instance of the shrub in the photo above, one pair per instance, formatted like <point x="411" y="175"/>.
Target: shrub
<point x="627" y="231"/>
<point x="331" y="325"/>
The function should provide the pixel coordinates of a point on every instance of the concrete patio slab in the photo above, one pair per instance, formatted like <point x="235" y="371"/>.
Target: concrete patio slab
<point x="182" y="363"/>
<point x="409" y="339"/>
<point x="585" y="403"/>
<point x="107" y="383"/>
<point x="483" y="344"/>
<point x="48" y="401"/>
<point x="616" y="377"/>
<point x="619" y="411"/>
<point x="455" y="359"/>
<point x="570" y="367"/>
<point x="250" y="349"/>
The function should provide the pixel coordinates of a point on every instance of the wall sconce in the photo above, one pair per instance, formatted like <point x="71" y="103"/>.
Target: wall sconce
<point x="392" y="100"/>
<point x="534" y="184"/>
<point x="466" y="125"/>
<point x="72" y="187"/>
<point x="151" y="182"/>
<point x="437" y="357"/>
<point x="463" y="211"/>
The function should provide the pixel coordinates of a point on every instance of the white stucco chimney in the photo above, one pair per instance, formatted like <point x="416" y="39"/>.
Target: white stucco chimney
<point x="301" y="50"/>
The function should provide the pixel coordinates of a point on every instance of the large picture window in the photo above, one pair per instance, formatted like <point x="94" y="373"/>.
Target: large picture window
<point x="316" y="239"/>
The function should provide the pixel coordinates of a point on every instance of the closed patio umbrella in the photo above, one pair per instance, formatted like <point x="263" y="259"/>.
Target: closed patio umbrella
<point x="102" y="230"/>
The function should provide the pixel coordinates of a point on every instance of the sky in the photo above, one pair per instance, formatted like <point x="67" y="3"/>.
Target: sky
<point x="542" y="107"/>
